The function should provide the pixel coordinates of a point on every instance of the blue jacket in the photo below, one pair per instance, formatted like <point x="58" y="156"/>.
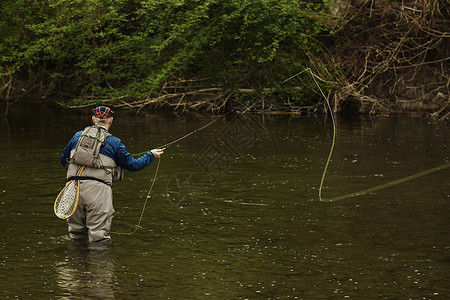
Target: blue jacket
<point x="115" y="150"/>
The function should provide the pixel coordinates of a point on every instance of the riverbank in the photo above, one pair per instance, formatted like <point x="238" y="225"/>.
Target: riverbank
<point x="370" y="57"/>
<point x="259" y="105"/>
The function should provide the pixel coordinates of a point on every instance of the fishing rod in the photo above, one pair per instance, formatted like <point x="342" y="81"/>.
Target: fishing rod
<point x="159" y="162"/>
<point x="314" y="76"/>
<point x="222" y="116"/>
<point x="165" y="146"/>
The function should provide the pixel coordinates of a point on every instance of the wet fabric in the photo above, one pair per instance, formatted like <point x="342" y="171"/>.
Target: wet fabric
<point x="93" y="216"/>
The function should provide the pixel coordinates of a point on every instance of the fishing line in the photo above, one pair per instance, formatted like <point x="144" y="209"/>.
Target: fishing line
<point x="334" y="135"/>
<point x="157" y="168"/>
<point x="389" y="184"/>
<point x="213" y="121"/>
<point x="369" y="190"/>
<point x="187" y="135"/>
<point x="165" y="146"/>
<point x="145" y="203"/>
<point x="333" y="143"/>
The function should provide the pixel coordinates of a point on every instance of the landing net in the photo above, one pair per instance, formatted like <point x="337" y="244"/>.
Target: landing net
<point x="67" y="200"/>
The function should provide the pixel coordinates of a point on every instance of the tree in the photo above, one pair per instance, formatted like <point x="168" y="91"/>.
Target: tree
<point x="128" y="51"/>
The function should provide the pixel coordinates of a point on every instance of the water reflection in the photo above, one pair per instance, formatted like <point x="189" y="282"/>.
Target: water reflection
<point x="87" y="271"/>
<point x="234" y="212"/>
<point x="215" y="158"/>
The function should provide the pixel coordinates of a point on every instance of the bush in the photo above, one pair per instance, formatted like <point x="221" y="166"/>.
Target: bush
<point x="131" y="49"/>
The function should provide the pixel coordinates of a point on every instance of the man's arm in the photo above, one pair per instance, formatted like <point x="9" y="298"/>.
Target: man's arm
<point x="70" y="146"/>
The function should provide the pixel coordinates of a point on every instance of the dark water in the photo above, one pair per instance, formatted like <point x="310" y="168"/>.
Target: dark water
<point x="234" y="213"/>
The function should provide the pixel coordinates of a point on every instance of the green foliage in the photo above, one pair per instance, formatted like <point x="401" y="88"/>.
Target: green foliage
<point x="129" y="49"/>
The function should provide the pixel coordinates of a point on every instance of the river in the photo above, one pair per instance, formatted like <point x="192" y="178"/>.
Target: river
<point x="234" y="212"/>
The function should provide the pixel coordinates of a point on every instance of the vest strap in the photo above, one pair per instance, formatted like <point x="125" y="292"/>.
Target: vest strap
<point x="87" y="178"/>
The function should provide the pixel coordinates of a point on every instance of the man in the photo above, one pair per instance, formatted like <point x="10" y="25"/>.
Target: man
<point x="95" y="157"/>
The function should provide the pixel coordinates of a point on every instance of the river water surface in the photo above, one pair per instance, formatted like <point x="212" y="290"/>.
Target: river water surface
<point x="234" y="212"/>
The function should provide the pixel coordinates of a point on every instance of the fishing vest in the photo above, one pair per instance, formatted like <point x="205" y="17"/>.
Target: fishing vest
<point x="87" y="153"/>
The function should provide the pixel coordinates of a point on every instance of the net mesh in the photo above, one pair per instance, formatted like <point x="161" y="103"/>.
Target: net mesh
<point x="66" y="202"/>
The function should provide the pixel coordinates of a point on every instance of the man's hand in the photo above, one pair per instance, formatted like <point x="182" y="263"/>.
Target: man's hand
<point x="157" y="152"/>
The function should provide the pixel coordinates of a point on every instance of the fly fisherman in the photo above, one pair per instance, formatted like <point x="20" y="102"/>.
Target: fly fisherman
<point x="103" y="157"/>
